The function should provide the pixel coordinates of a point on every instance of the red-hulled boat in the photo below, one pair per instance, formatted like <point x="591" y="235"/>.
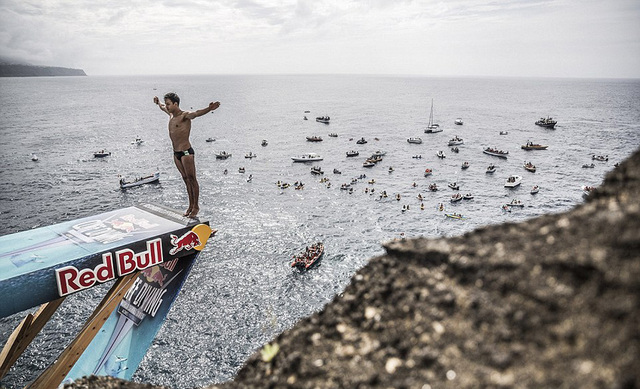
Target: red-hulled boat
<point x="309" y="257"/>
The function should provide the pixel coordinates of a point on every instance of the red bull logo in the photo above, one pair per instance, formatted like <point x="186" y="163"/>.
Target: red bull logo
<point x="194" y="239"/>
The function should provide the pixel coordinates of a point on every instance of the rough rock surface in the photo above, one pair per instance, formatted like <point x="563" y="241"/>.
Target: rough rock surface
<point x="549" y="303"/>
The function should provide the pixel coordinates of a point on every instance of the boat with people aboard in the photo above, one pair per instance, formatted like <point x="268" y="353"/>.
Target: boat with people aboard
<point x="333" y="135"/>
<point x="264" y="143"/>
<point x="491" y="168"/>
<point x="456" y="216"/>
<point x="368" y="163"/>
<point x="535" y="189"/>
<point x="432" y="127"/>
<point x="458" y="122"/>
<point x="513" y="181"/>
<point x="504" y="132"/>
<point x="323" y="119"/>
<point x="309" y="157"/>
<point x="415" y="140"/>
<point x="34" y="158"/>
<point x="455" y="141"/>
<point x="455" y="149"/>
<point x="151" y="179"/>
<point x="390" y="169"/>
<point x="101" y="154"/>
<point x="433" y="187"/>
<point x="314" y="139"/>
<point x="137" y="141"/>
<point x="375" y="158"/>
<point x="454" y="185"/>
<point x="456" y="197"/>
<point x="241" y="170"/>
<point x="223" y="155"/>
<point x="601" y="158"/>
<point x="441" y="155"/>
<point x="361" y="141"/>
<point x="533" y="146"/>
<point x="250" y="155"/>
<point x="309" y="257"/>
<point x="379" y="153"/>
<point x="547" y="122"/>
<point x="467" y="196"/>
<point x="465" y="165"/>
<point x="588" y="189"/>
<point x="352" y="153"/>
<point x="515" y="203"/>
<point x="495" y="152"/>
<point x="209" y="140"/>
<point x="589" y="165"/>
<point x="316" y="170"/>
<point x="530" y="167"/>
<point x="428" y="172"/>
<point x="345" y="186"/>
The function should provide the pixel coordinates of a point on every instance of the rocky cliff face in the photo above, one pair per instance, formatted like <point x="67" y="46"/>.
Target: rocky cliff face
<point x="13" y="70"/>
<point x="552" y="303"/>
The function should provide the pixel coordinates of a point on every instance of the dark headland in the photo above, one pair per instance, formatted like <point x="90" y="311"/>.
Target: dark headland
<point x="553" y="302"/>
<point x="22" y="70"/>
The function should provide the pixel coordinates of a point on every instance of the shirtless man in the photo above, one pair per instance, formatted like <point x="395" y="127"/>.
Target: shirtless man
<point x="183" y="154"/>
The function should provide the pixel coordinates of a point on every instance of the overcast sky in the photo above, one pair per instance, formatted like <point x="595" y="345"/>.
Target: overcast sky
<point x="555" y="38"/>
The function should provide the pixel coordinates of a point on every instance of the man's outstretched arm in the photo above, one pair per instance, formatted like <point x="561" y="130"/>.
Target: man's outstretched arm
<point x="162" y="107"/>
<point x="200" y="112"/>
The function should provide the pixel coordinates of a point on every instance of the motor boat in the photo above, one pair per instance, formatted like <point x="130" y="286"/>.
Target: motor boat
<point x="361" y="141"/>
<point x="491" y="168"/>
<point x="433" y="187"/>
<point x="414" y="140"/>
<point x="467" y="196"/>
<point x="154" y="178"/>
<point x="314" y="139"/>
<point x="137" y="142"/>
<point x="530" y="167"/>
<point x="317" y="170"/>
<point x="456" y="197"/>
<point x="309" y="157"/>
<point x="264" y="143"/>
<point x="455" y="141"/>
<point x="513" y="181"/>
<point x="547" y="122"/>
<point x="308" y="258"/>
<point x="223" y="155"/>
<point x="496" y="152"/>
<point x="323" y="119"/>
<point x="333" y="135"/>
<point x="352" y="153"/>
<point x="209" y="140"/>
<point x="533" y="146"/>
<point x="428" y="172"/>
<point x="250" y="155"/>
<point x="515" y="203"/>
<point x="458" y="122"/>
<point x="440" y="154"/>
<point x="101" y="154"/>
<point x="535" y="189"/>
<point x="465" y="165"/>
<point x="454" y="186"/>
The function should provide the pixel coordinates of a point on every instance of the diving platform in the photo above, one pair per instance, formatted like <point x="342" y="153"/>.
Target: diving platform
<point x="148" y="249"/>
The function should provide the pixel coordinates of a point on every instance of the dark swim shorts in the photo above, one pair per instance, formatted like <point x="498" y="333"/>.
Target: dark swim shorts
<point x="180" y="154"/>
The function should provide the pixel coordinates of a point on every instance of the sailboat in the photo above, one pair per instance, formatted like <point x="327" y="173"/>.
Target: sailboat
<point x="432" y="127"/>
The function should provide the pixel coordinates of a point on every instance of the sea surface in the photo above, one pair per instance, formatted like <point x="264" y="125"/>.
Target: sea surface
<point x="242" y="292"/>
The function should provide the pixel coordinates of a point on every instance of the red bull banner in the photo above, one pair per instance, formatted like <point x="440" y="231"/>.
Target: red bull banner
<point x="43" y="264"/>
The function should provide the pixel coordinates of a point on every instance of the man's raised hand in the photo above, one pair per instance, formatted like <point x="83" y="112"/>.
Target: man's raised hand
<point x="213" y="106"/>
<point x="156" y="100"/>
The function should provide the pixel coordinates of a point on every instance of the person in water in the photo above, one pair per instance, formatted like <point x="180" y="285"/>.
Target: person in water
<point x="183" y="154"/>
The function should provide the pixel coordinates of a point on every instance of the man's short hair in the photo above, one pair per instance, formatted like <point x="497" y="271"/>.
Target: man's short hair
<point x="173" y="97"/>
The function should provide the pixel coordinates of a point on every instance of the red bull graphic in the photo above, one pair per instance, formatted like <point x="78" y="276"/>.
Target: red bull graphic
<point x="186" y="241"/>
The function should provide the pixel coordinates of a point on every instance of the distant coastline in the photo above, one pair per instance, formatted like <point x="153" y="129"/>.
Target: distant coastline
<point x="21" y="70"/>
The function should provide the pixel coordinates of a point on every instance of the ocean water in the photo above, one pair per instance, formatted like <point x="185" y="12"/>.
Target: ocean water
<point x="242" y="291"/>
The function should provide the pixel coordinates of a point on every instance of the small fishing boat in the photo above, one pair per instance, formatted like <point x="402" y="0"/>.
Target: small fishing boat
<point x="314" y="139"/>
<point x="241" y="170"/>
<point x="458" y="122"/>
<point x="433" y="187"/>
<point x="390" y="169"/>
<point x="379" y="154"/>
<point x="535" y="189"/>
<point x="547" y="122"/>
<point x="333" y="135"/>
<point x="440" y="154"/>
<point x="361" y="141"/>
<point x="223" y="155"/>
<point x="454" y="186"/>
<point x="455" y="141"/>
<point x="368" y="163"/>
<point x="137" y="142"/>
<point x="352" y="153"/>
<point x="34" y="158"/>
<point x="504" y="132"/>
<point x="495" y="152"/>
<point x="316" y="170"/>
<point x="101" y="154"/>
<point x="323" y="119"/>
<point x="530" y="167"/>
<point x="209" y="140"/>
<point x="601" y="158"/>
<point x="467" y="196"/>
<point x="465" y="165"/>
<point x="491" y="168"/>
<point x="515" y="203"/>
<point x="533" y="146"/>
<point x="589" y="166"/>
<point x="513" y="181"/>
<point x="264" y="143"/>
<point x="428" y="172"/>
<point x="309" y="157"/>
<point x="414" y="140"/>
<point x="140" y="181"/>
<point x="250" y="155"/>
<point x="456" y="197"/>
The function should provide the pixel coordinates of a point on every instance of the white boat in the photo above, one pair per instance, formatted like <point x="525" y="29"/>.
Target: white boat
<point x="458" y="121"/>
<point x="414" y="140"/>
<point x="317" y="170"/>
<point x="352" y="153"/>
<point x="496" y="152"/>
<point x="34" y="157"/>
<point x="491" y="168"/>
<point x="588" y="166"/>
<point x="432" y="127"/>
<point x="333" y="135"/>
<point x="361" y="141"/>
<point x="209" y="140"/>
<point x="314" y="138"/>
<point x="515" y="203"/>
<point x="530" y="167"/>
<point x="323" y="119"/>
<point x="264" y="142"/>
<point x="379" y="154"/>
<point x="309" y="157"/>
<point x="504" y="132"/>
<point x="440" y="154"/>
<point x="101" y="154"/>
<point x="465" y="165"/>
<point x="223" y="155"/>
<point x="454" y="186"/>
<point x="140" y="181"/>
<point x="456" y="197"/>
<point x="468" y="196"/>
<point x="250" y="155"/>
<point x="535" y="189"/>
<point x="547" y="122"/>
<point x="368" y="163"/>
<point x="513" y="181"/>
<point x="241" y="170"/>
<point x="455" y="141"/>
<point x="601" y="158"/>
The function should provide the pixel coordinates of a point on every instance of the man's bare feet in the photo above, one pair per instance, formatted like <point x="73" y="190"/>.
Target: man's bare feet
<point x="187" y="212"/>
<point x="194" y="213"/>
